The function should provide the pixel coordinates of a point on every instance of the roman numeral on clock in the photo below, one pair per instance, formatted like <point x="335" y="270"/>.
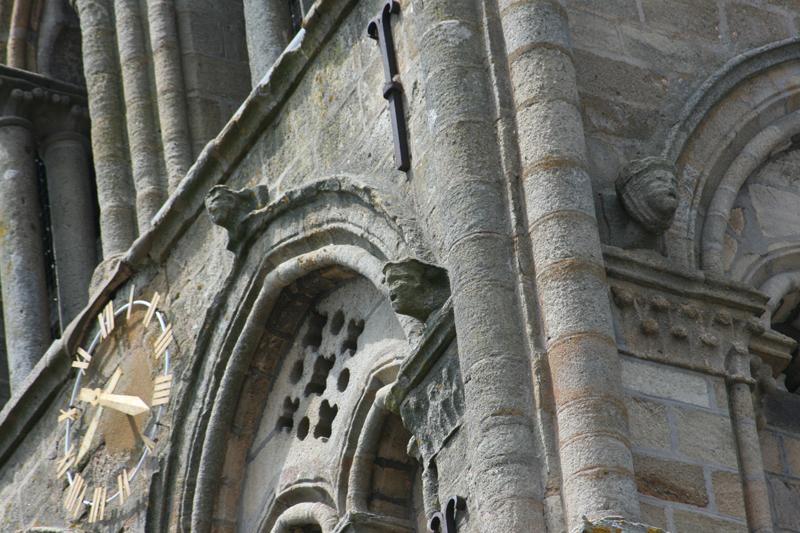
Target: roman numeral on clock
<point x="71" y="414"/>
<point x="106" y="320"/>
<point x="151" y="310"/>
<point x="98" y="505"/>
<point x="74" y="500"/>
<point x="66" y="462"/>
<point x="163" y="342"/>
<point x="82" y="360"/>
<point x="163" y="385"/>
<point x="123" y="486"/>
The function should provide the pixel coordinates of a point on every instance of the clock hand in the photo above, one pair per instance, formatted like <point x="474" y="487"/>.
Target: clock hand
<point x="86" y="443"/>
<point x="129" y="405"/>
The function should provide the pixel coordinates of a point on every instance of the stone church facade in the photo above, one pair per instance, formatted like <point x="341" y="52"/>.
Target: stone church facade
<point x="400" y="266"/>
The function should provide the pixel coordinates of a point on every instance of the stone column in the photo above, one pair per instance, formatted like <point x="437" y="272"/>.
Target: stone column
<point x="171" y="101"/>
<point x="268" y="25"/>
<point x="597" y="465"/>
<point x="115" y="192"/>
<point x="464" y="191"/>
<point x="17" y="48"/>
<point x="72" y="214"/>
<point x="22" y="272"/>
<point x="151" y="189"/>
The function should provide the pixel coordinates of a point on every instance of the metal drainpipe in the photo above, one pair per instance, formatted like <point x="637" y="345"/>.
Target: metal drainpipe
<point x="597" y="465"/>
<point x="464" y="186"/>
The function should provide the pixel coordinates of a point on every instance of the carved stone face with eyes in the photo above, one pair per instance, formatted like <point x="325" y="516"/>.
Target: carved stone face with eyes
<point x="648" y="190"/>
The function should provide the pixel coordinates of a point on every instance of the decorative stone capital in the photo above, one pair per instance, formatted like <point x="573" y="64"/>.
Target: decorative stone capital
<point x="615" y="525"/>
<point x="228" y="207"/>
<point x="416" y="289"/>
<point x="46" y="106"/>
<point x="648" y="191"/>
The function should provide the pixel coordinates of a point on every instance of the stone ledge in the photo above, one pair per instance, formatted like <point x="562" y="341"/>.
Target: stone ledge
<point x="615" y="525"/>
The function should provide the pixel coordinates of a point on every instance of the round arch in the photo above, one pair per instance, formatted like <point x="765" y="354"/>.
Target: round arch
<point x="737" y="119"/>
<point x="334" y="231"/>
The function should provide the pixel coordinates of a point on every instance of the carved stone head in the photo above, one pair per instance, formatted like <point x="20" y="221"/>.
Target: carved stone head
<point x="648" y="190"/>
<point x="228" y="207"/>
<point x="416" y="289"/>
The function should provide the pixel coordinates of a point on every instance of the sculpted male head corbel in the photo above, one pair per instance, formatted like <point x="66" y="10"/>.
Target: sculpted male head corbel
<point x="648" y="191"/>
<point x="228" y="207"/>
<point x="416" y="289"/>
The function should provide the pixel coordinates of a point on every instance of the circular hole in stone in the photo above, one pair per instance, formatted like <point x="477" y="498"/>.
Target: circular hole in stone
<point x="297" y="372"/>
<point x="337" y="322"/>
<point x="344" y="380"/>
<point x="302" y="428"/>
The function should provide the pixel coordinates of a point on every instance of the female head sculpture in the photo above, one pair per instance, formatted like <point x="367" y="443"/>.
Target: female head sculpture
<point x="648" y="190"/>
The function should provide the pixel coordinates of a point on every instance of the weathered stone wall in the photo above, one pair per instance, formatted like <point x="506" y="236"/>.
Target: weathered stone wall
<point x="682" y="336"/>
<point x="639" y="61"/>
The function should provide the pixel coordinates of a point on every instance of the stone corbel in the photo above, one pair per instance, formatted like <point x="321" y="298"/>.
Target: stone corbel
<point x="228" y="208"/>
<point x="416" y="289"/>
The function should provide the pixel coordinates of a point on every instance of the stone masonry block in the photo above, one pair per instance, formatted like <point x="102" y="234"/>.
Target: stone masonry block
<point x="619" y="80"/>
<point x="752" y="26"/>
<point x="791" y="448"/>
<point x="648" y="424"/>
<point x="785" y="495"/>
<point x="705" y="437"/>
<point x="665" y="382"/>
<point x="700" y="18"/>
<point x="670" y="480"/>
<point x="653" y="515"/>
<point x="689" y="522"/>
<point x="771" y="451"/>
<point x="618" y="9"/>
<point x="728" y="493"/>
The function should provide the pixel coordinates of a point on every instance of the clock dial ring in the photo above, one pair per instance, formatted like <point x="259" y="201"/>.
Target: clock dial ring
<point x="150" y="428"/>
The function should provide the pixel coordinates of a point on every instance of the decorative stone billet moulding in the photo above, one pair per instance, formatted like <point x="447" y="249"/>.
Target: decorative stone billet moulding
<point x="689" y="319"/>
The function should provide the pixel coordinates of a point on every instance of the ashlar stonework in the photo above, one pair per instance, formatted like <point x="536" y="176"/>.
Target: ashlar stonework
<point x="574" y="310"/>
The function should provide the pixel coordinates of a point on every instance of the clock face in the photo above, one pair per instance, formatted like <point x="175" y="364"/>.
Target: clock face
<point x="111" y="420"/>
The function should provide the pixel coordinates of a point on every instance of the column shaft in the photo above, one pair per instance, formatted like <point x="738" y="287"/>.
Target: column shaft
<point x="115" y="192"/>
<point x="174" y="121"/>
<point x="268" y="25"/>
<point x="756" y="493"/>
<point x="596" y="460"/>
<point x="69" y="187"/>
<point x="465" y="185"/>
<point x="22" y="272"/>
<point x="151" y="190"/>
<point x="16" y="53"/>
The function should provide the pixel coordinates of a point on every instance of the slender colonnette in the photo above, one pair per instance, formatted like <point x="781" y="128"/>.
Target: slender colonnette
<point x="16" y="53"/>
<point x="115" y="192"/>
<point x="151" y="191"/>
<point x="25" y="310"/>
<point x="170" y="96"/>
<point x="466" y="187"/>
<point x="597" y="466"/>
<point x="268" y="27"/>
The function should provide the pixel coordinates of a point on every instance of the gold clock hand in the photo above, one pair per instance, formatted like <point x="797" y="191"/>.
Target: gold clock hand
<point x="86" y="443"/>
<point x="130" y="405"/>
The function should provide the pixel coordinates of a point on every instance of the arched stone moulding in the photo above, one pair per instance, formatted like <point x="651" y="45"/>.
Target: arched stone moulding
<point x="736" y="120"/>
<point x="291" y="238"/>
<point x="304" y="514"/>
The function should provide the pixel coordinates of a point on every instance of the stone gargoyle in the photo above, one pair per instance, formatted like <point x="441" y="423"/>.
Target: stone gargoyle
<point x="416" y="289"/>
<point x="644" y="205"/>
<point x="228" y="207"/>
